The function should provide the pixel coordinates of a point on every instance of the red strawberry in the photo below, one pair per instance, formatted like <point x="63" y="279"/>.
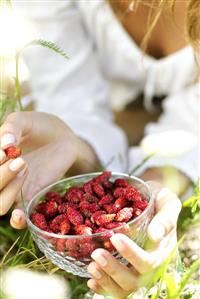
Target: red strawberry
<point x="113" y="225"/>
<point x="104" y="219"/>
<point x="88" y="208"/>
<point x="87" y="248"/>
<point x="103" y="177"/>
<point x="136" y="212"/>
<point x="72" y="244"/>
<point x="119" y="192"/>
<point x="74" y="216"/>
<point x="74" y="194"/>
<point x="87" y="187"/>
<point x="110" y="209"/>
<point x="106" y="199"/>
<point x="132" y="194"/>
<point x="121" y="183"/>
<point x="39" y="220"/>
<point x="96" y="215"/>
<point x="53" y="196"/>
<point x="89" y="198"/>
<point x="56" y="222"/>
<point x="124" y="215"/>
<point x="62" y="208"/>
<point x="108" y="185"/>
<point x="140" y="204"/>
<point x="60" y="245"/>
<point x="12" y="152"/>
<point x="89" y="223"/>
<point x="120" y="203"/>
<point x="65" y="227"/>
<point x="98" y="190"/>
<point x="83" y="230"/>
<point x="51" y="209"/>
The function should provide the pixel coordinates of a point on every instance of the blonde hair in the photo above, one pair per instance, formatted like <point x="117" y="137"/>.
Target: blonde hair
<point x="192" y="22"/>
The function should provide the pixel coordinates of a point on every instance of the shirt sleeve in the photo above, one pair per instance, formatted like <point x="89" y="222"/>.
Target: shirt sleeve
<point x="73" y="89"/>
<point x="181" y="113"/>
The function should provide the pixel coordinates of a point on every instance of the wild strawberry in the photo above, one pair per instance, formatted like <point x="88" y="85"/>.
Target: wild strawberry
<point x="140" y="204"/>
<point x="39" y="220"/>
<point x="56" y="222"/>
<point x="104" y="219"/>
<point x="110" y="209"/>
<point x="113" y="225"/>
<point x="74" y="194"/>
<point x="89" y="223"/>
<point x="88" y="208"/>
<point x="62" y="208"/>
<point x="108" y="245"/>
<point x="95" y="216"/>
<point x="124" y="215"/>
<point x="121" y="183"/>
<point x="83" y="230"/>
<point x="103" y="177"/>
<point x="87" y="187"/>
<point x="119" y="192"/>
<point x="72" y="244"/>
<point x="65" y="227"/>
<point x="100" y="230"/>
<point x="106" y="199"/>
<point x="89" y="198"/>
<point x="87" y="249"/>
<point x="132" y="194"/>
<point x="74" y="216"/>
<point x="60" y="245"/>
<point x="136" y="212"/>
<point x="108" y="185"/>
<point x="53" y="196"/>
<point x="120" y="203"/>
<point x="12" y="152"/>
<point x="98" y="190"/>
<point x="49" y="209"/>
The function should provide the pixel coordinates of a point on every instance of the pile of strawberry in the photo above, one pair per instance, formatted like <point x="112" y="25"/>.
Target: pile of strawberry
<point x="96" y="207"/>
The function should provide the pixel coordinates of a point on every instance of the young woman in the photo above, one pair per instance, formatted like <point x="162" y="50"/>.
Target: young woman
<point x="105" y="53"/>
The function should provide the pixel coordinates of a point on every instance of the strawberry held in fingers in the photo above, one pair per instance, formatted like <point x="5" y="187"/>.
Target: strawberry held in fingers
<point x="12" y="152"/>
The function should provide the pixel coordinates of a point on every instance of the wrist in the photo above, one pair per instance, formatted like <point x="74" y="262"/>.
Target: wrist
<point x="86" y="158"/>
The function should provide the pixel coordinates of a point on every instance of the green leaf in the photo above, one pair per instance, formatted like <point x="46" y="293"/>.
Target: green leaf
<point x="46" y="44"/>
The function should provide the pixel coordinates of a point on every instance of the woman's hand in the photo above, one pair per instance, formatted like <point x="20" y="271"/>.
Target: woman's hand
<point x="115" y="279"/>
<point x="49" y="149"/>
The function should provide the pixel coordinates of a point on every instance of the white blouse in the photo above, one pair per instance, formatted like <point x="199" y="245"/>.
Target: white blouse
<point x="107" y="67"/>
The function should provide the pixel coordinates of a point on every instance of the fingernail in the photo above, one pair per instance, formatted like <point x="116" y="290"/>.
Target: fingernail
<point x="17" y="164"/>
<point x="7" y="139"/>
<point x="97" y="296"/>
<point x="95" y="272"/>
<point x="22" y="172"/>
<point x="156" y="232"/>
<point x="17" y="216"/>
<point x="2" y="155"/>
<point x="99" y="258"/>
<point x="118" y="242"/>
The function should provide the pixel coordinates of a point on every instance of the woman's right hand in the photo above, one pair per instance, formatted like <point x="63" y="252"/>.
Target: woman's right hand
<point x="49" y="149"/>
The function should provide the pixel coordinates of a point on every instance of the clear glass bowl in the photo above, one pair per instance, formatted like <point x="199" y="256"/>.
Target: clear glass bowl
<point x="72" y="253"/>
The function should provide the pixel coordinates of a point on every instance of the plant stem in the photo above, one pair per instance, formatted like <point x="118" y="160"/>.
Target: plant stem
<point x="141" y="163"/>
<point x="17" y="83"/>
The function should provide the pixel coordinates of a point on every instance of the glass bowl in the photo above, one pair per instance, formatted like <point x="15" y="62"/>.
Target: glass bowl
<point x="71" y="252"/>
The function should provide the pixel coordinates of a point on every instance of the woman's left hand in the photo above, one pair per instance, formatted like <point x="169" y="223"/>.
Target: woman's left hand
<point x="115" y="279"/>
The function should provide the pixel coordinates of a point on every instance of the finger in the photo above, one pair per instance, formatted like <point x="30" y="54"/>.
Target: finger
<point x="2" y="157"/>
<point x="106" y="282"/>
<point x="9" y="194"/>
<point x="121" y="274"/>
<point x="97" y="296"/>
<point x="139" y="258"/>
<point x="9" y="170"/>
<point x="93" y="285"/>
<point x="18" y="219"/>
<point x="14" y="127"/>
<point x="168" y="209"/>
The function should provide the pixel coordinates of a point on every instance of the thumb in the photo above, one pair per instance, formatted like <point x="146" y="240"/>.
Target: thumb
<point x="166" y="216"/>
<point x="14" y="128"/>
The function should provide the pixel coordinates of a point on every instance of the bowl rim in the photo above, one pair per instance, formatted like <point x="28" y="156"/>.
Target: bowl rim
<point x="33" y="227"/>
